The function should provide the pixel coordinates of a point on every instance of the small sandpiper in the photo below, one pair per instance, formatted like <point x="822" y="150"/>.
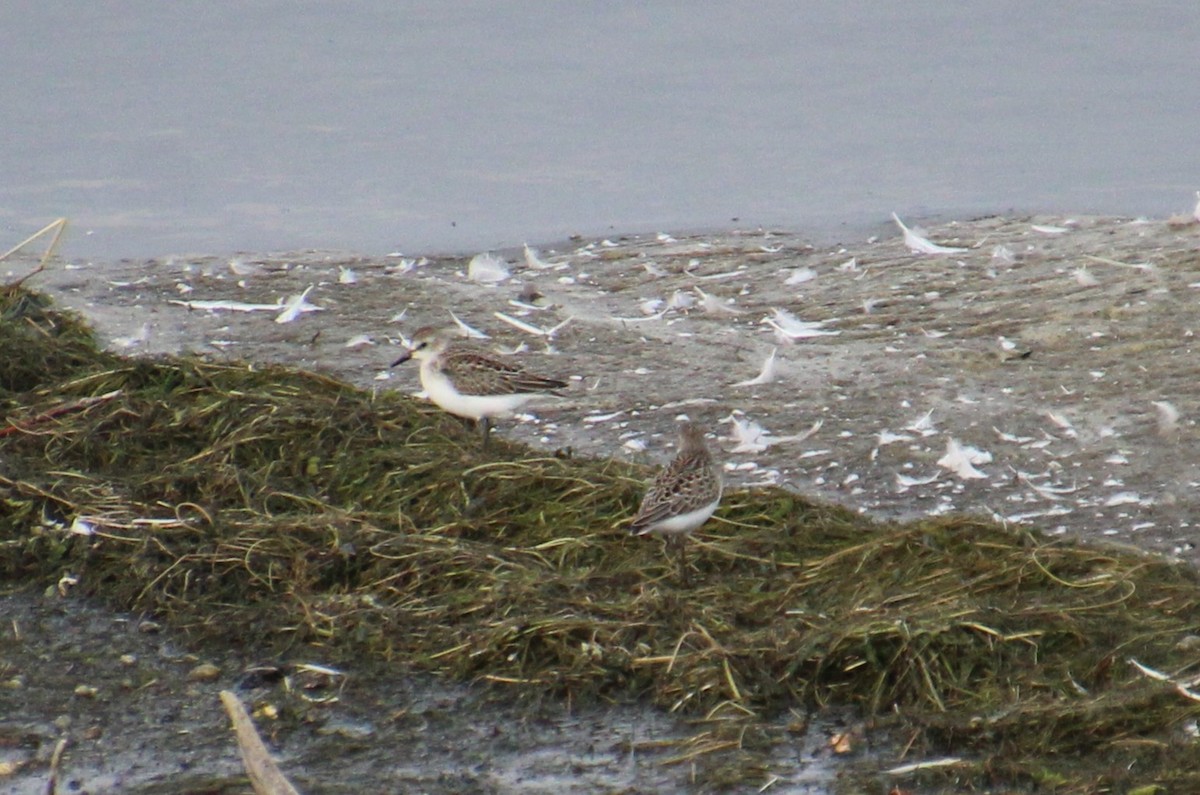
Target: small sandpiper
<point x="469" y="383"/>
<point x="683" y="496"/>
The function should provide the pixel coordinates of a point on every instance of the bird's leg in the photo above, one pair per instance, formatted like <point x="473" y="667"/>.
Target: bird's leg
<point x="684" y="575"/>
<point x="486" y="424"/>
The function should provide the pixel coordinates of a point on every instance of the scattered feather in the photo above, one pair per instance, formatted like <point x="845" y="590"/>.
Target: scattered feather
<point x="922" y="245"/>
<point x="656" y="316"/>
<point x="766" y="375"/>
<point x="1168" y="417"/>
<point x="849" y="265"/>
<point x="681" y="300"/>
<point x="716" y="277"/>
<point x="239" y="267"/>
<point x="594" y="418"/>
<point x="359" y="341"/>
<point x="792" y="328"/>
<point x="487" y="269"/>
<point x="1008" y="437"/>
<point x="714" y="305"/>
<point x="296" y="306"/>
<point x="529" y="328"/>
<point x="470" y="331"/>
<point x="533" y="261"/>
<point x="1003" y="255"/>
<point x="750" y="437"/>
<point x="886" y="437"/>
<point x="1053" y="493"/>
<point x="230" y="306"/>
<point x="404" y="266"/>
<point x="800" y="276"/>
<point x="1047" y="229"/>
<point x="676" y="404"/>
<point x="961" y="459"/>
<point x="140" y="337"/>
<point x="1146" y="267"/>
<point x="1126" y="498"/>
<point x="1061" y="422"/>
<point x="923" y="424"/>
<point x="1084" y="278"/>
<point x="904" y="482"/>
<point x="347" y="276"/>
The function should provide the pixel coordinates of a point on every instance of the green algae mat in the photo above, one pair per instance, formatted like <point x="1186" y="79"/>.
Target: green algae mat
<point x="230" y="499"/>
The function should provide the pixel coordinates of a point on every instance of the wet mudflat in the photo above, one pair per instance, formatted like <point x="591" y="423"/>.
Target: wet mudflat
<point x="139" y="707"/>
<point x="1058" y="351"/>
<point x="1057" y="348"/>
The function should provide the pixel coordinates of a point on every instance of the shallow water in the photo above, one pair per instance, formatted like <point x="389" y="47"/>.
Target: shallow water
<point x="374" y="126"/>
<point x="136" y="721"/>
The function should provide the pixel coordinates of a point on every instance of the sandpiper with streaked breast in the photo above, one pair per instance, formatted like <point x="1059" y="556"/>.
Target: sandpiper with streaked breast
<point x="683" y="496"/>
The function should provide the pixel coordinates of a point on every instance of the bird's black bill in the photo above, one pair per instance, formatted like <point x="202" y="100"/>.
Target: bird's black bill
<point x="404" y="357"/>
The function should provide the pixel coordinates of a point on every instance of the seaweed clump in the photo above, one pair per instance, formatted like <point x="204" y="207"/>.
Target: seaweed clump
<point x="223" y="497"/>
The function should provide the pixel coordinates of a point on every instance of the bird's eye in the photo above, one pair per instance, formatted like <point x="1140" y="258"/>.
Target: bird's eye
<point x="420" y="345"/>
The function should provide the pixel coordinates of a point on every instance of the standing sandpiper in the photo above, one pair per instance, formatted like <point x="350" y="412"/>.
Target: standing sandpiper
<point x="683" y="496"/>
<point x="468" y="383"/>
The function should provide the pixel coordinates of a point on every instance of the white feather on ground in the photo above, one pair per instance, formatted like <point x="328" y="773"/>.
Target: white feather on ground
<point x="790" y="328"/>
<point x="532" y="260"/>
<point x="922" y="245"/>
<point x="766" y="375"/>
<point x="750" y="437"/>
<point x="961" y="459"/>
<point x="1168" y="417"/>
<point x="359" y="341"/>
<point x="487" y="269"/>
<point x="923" y="424"/>
<point x="470" y="331"/>
<point x="231" y="306"/>
<point x="714" y="305"/>
<point x="296" y="306"/>
<point x="681" y="300"/>
<point x="905" y="482"/>
<point x="800" y="276"/>
<point x="529" y="328"/>
<point x="140" y="337"/>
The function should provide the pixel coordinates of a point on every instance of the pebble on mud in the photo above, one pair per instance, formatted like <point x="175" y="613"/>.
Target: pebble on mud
<point x="204" y="672"/>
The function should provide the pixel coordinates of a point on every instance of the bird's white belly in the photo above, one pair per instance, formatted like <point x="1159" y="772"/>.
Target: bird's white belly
<point x="442" y="392"/>
<point x="686" y="522"/>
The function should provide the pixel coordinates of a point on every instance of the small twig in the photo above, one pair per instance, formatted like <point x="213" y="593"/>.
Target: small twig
<point x="265" y="775"/>
<point x="55" y="761"/>
<point x="61" y="225"/>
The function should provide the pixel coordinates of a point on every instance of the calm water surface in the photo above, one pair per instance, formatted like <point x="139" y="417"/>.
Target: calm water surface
<point x="419" y="126"/>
